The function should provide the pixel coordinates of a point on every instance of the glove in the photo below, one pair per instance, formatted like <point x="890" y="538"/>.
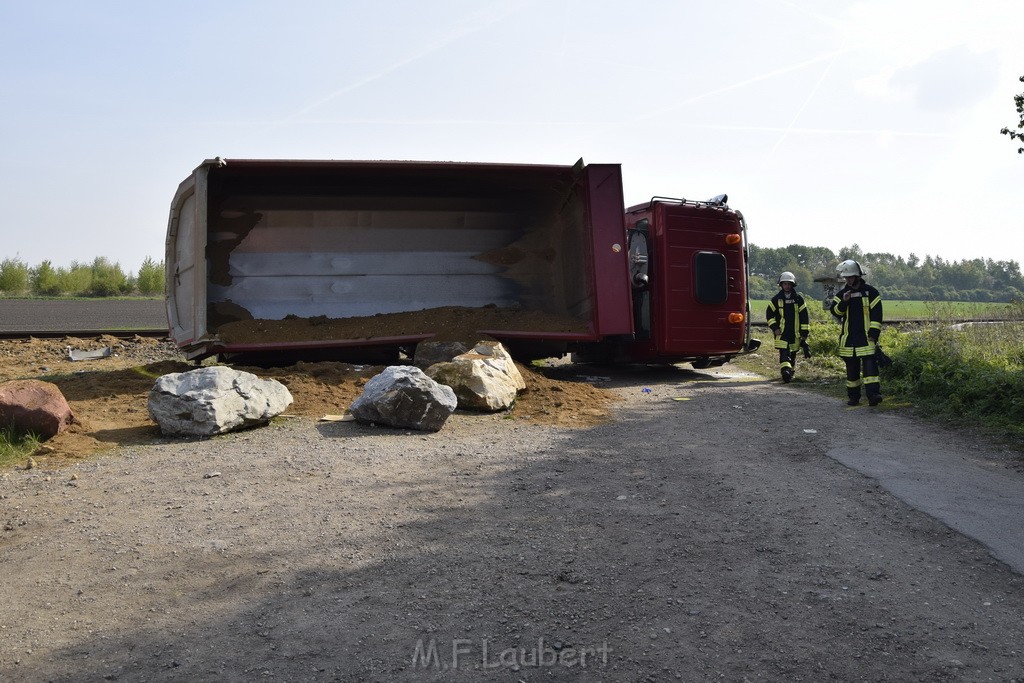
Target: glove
<point x="806" y="348"/>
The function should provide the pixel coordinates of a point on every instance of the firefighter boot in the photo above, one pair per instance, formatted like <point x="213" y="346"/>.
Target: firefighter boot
<point x="788" y="360"/>
<point x="854" y="397"/>
<point x="874" y="399"/>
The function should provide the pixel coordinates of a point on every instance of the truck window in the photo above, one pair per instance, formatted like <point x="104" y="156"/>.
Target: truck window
<point x="711" y="284"/>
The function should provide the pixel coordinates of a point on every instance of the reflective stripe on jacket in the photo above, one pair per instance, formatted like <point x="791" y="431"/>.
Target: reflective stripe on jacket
<point x="860" y="318"/>
<point x="788" y="316"/>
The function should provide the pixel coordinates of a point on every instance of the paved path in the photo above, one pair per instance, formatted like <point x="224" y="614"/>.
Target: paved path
<point x="963" y="488"/>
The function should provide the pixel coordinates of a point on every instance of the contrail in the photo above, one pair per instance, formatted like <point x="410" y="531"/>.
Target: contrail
<point x="481" y="23"/>
<point x="711" y="93"/>
<point x="803" y="106"/>
<point x="819" y="131"/>
<point x="570" y="123"/>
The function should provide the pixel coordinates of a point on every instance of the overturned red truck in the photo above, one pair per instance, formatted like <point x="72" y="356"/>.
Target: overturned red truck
<point x="548" y="255"/>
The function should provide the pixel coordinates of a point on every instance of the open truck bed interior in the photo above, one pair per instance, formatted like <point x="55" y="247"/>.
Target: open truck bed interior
<point x="270" y="240"/>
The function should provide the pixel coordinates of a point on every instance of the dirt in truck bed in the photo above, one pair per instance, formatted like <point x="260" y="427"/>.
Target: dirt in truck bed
<point x="447" y="323"/>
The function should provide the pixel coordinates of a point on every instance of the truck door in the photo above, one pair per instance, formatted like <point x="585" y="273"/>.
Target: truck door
<point x="609" y="269"/>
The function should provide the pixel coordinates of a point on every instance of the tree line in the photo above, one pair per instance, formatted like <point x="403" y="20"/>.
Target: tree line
<point x="101" y="278"/>
<point x="912" y="278"/>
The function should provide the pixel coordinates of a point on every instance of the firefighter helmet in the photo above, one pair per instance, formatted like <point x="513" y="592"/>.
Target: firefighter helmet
<point x="849" y="268"/>
<point x="787" y="277"/>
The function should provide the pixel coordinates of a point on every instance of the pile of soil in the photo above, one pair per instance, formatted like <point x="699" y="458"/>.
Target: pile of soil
<point x="447" y="323"/>
<point x="109" y="395"/>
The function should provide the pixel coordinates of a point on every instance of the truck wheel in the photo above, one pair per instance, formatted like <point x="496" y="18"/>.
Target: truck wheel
<point x="701" y="363"/>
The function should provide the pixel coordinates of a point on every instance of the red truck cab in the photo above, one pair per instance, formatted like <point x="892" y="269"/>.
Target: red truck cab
<point x="688" y="270"/>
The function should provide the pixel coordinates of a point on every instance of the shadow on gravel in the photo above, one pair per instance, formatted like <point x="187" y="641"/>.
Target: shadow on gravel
<point x="96" y="384"/>
<point x="652" y="551"/>
<point x="128" y="435"/>
<point x="630" y="376"/>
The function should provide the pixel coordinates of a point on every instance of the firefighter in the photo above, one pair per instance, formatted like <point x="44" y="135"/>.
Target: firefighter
<point x="858" y="306"/>
<point x="787" y="317"/>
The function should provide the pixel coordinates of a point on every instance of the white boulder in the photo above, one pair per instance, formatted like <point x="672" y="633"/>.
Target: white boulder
<point x="484" y="378"/>
<point x="214" y="400"/>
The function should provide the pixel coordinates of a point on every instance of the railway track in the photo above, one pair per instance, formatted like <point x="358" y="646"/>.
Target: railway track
<point x="60" y="334"/>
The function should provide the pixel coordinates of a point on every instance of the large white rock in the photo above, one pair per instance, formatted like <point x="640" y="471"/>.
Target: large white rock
<point x="485" y="378"/>
<point x="214" y="400"/>
<point x="403" y="396"/>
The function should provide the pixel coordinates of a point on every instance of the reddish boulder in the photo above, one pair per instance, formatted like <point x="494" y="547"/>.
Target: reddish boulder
<point x="34" y="406"/>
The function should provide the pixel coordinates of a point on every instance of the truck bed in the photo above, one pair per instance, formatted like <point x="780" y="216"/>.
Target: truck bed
<point x="300" y="241"/>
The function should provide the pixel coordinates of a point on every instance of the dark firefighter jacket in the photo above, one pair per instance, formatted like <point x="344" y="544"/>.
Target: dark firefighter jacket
<point x="860" y="317"/>
<point x="789" y="316"/>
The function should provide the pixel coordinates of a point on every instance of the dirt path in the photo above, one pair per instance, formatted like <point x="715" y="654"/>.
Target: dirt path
<point x="702" y="539"/>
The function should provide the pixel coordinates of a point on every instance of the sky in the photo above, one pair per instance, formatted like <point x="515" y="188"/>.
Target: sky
<point x="828" y="123"/>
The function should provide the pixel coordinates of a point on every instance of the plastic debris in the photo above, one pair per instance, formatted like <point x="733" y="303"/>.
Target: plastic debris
<point x="347" y="417"/>
<point x="78" y="354"/>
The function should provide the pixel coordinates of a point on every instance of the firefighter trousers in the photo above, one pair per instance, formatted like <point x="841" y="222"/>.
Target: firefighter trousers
<point x="854" y="379"/>
<point x="787" y="359"/>
<point x="787" y="353"/>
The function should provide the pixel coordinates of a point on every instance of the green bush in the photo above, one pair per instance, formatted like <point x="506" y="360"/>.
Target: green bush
<point x="14" y="277"/>
<point x="968" y="375"/>
<point x="108" y="279"/>
<point x="76" y="280"/>
<point x="150" y="280"/>
<point x="46" y="280"/>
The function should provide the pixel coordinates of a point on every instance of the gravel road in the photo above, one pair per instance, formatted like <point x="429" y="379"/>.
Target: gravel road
<point x="43" y="315"/>
<point x="704" y="534"/>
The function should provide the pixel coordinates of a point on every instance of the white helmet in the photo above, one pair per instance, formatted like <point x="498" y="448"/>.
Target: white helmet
<point x="849" y="268"/>
<point x="787" y="277"/>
